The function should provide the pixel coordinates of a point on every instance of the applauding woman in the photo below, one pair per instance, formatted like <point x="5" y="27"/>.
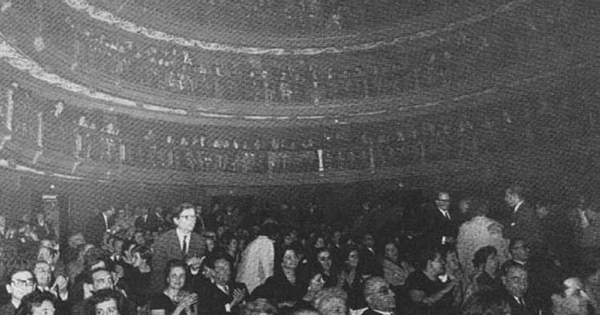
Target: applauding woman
<point x="174" y="300"/>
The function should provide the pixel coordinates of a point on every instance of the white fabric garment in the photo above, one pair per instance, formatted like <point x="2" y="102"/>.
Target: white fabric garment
<point x="257" y="263"/>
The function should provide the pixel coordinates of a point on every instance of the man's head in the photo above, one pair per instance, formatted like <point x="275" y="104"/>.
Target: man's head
<point x="110" y="211"/>
<point x="368" y="240"/>
<point x="378" y="294"/>
<point x="20" y="283"/>
<point x="184" y="217"/>
<point x="570" y="299"/>
<point x="514" y="279"/>
<point x="43" y="273"/>
<point x="514" y="195"/>
<point x="76" y="239"/>
<point x="220" y="269"/>
<point x="443" y="200"/>
<point x="519" y="250"/>
<point x="101" y="279"/>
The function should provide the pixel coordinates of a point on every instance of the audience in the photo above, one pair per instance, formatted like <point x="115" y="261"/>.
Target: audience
<point x="295" y="271"/>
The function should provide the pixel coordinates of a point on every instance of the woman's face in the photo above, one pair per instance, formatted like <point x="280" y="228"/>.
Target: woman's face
<point x="316" y="283"/>
<point x="352" y="260"/>
<point x="176" y="278"/>
<point x="46" y="308"/>
<point x="233" y="245"/>
<point x="391" y="251"/>
<point x="491" y="264"/>
<point x="320" y="243"/>
<point x="290" y="260"/>
<point x="324" y="259"/>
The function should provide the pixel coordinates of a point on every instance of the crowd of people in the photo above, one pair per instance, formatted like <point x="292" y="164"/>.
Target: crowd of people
<point x="93" y="135"/>
<point x="537" y="258"/>
<point x="382" y="72"/>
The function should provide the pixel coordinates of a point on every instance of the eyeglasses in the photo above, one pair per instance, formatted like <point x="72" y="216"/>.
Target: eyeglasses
<point x="23" y="283"/>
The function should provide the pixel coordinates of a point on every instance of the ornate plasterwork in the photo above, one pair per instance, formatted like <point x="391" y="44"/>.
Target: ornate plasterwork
<point x="104" y="16"/>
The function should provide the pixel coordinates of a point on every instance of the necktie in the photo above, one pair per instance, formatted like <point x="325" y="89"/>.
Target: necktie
<point x="447" y="215"/>
<point x="184" y="246"/>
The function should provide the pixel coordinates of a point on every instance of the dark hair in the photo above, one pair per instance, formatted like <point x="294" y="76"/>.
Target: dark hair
<point x="145" y="252"/>
<point x="212" y="258"/>
<point x="17" y="270"/>
<point x="176" y="212"/>
<point x="269" y="229"/>
<point x="478" y="206"/>
<point x="347" y="249"/>
<point x="486" y="302"/>
<point x="510" y="265"/>
<point x="103" y="296"/>
<point x="95" y="255"/>
<point x="90" y="274"/>
<point x="482" y="254"/>
<point x="427" y="255"/>
<point x="33" y="299"/>
<point x="513" y="242"/>
<point x="174" y="263"/>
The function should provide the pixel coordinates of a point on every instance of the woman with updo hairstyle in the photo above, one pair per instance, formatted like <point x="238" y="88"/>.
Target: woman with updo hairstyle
<point x="37" y="303"/>
<point x="351" y="278"/>
<point x="314" y="283"/>
<point x="485" y="263"/>
<point x="284" y="288"/>
<point x="322" y="262"/>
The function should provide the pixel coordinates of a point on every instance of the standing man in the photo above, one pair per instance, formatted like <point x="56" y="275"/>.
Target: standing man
<point x="99" y="226"/>
<point x="439" y="226"/>
<point x="179" y="243"/>
<point x="258" y="259"/>
<point x="523" y="220"/>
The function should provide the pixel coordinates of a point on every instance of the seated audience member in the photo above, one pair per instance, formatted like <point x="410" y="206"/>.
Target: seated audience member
<point x="485" y="263"/>
<point x="221" y="295"/>
<point x="331" y="301"/>
<point x="368" y="263"/>
<point x="75" y="267"/>
<point x="486" y="302"/>
<point x="19" y="283"/>
<point x="478" y="232"/>
<point x="284" y="287"/>
<point x="322" y="263"/>
<point x="571" y="299"/>
<point x="231" y="247"/>
<point x="259" y="307"/>
<point x="351" y="278"/>
<point x="314" y="284"/>
<point x="515" y="284"/>
<point x="71" y="252"/>
<point x="137" y="276"/>
<point x="100" y="279"/>
<point x="48" y="251"/>
<point x="37" y="303"/>
<point x="57" y="286"/>
<point x="95" y="258"/>
<point x="174" y="300"/>
<point x="428" y="293"/>
<point x="107" y="302"/>
<point x="379" y="296"/>
<point x="395" y="270"/>
<point x="519" y="252"/>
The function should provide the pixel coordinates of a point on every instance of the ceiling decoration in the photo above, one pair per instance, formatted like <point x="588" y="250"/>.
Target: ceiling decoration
<point x="109" y="18"/>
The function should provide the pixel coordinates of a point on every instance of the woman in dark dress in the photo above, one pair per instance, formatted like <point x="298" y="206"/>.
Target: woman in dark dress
<point x="137" y="277"/>
<point x="284" y="288"/>
<point x="428" y="293"/>
<point x="350" y="277"/>
<point x="486" y="264"/>
<point x="174" y="300"/>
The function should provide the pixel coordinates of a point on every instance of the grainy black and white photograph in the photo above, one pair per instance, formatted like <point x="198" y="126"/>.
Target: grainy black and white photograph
<point x="299" y="157"/>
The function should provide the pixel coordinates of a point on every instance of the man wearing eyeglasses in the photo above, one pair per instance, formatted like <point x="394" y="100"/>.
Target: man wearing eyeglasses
<point x="22" y="282"/>
<point x="439" y="225"/>
<point x="380" y="299"/>
<point x="179" y="243"/>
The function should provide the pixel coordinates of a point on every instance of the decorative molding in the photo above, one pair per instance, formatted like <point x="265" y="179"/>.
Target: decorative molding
<point x="109" y="18"/>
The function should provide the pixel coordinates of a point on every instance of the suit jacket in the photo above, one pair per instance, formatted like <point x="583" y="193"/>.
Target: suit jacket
<point x="526" y="225"/>
<point x="167" y="247"/>
<point x="518" y="309"/>
<point x="436" y="226"/>
<point x="96" y="227"/>
<point x="212" y="300"/>
<point x="152" y="223"/>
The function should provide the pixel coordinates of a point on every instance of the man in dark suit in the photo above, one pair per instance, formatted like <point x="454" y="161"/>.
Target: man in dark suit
<point x="98" y="226"/>
<point x="523" y="222"/>
<point x="439" y="226"/>
<point x="179" y="243"/>
<point x="150" y="221"/>
<point x="380" y="299"/>
<point x="515" y="281"/>
<point x="220" y="295"/>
